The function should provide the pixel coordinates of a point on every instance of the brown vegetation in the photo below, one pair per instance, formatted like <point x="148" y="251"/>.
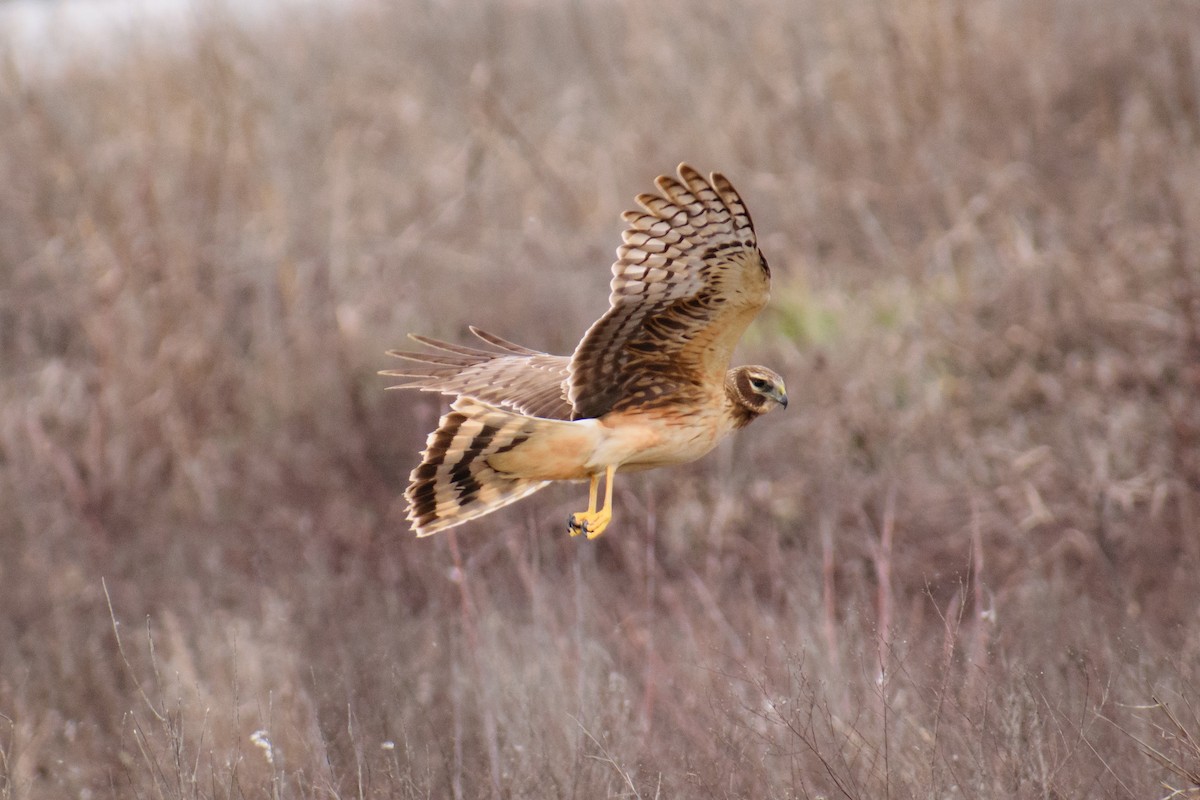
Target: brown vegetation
<point x="963" y="564"/>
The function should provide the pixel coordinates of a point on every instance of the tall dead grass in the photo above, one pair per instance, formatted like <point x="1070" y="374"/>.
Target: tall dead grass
<point x="963" y="564"/>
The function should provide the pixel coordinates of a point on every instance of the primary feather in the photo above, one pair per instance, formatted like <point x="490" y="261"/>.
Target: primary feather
<point x="686" y="283"/>
<point x="510" y="376"/>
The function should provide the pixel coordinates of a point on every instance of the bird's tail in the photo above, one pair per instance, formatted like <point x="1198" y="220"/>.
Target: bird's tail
<point x="454" y="482"/>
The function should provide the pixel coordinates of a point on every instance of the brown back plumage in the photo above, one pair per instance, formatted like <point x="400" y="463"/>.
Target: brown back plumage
<point x="685" y="285"/>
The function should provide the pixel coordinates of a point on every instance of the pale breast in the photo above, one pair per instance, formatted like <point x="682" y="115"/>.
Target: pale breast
<point x="657" y="437"/>
<point x="630" y="440"/>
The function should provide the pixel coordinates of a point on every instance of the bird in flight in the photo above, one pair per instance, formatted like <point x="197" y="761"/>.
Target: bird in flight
<point x="648" y="386"/>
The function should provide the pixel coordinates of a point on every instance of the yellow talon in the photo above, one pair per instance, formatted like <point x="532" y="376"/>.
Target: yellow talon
<point x="601" y="522"/>
<point x="592" y="522"/>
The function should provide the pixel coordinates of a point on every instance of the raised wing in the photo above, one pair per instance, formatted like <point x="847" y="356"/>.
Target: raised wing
<point x="510" y="376"/>
<point x="686" y="283"/>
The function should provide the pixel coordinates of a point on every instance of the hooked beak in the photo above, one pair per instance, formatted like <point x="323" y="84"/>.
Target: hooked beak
<point x="779" y="395"/>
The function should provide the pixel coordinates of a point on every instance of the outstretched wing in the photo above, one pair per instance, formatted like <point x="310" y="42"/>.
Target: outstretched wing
<point x="686" y="283"/>
<point x="510" y="376"/>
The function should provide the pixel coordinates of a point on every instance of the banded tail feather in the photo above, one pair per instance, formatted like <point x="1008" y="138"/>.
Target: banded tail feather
<point x="454" y="482"/>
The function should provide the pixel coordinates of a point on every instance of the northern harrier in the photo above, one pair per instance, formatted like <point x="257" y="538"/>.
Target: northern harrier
<point x="649" y="385"/>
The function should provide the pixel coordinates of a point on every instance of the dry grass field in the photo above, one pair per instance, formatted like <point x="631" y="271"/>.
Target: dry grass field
<point x="964" y="563"/>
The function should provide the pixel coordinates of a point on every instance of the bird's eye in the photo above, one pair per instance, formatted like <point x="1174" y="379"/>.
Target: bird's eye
<point x="759" y="384"/>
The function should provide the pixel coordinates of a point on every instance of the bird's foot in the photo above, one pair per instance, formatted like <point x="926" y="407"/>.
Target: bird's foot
<point x="591" y="523"/>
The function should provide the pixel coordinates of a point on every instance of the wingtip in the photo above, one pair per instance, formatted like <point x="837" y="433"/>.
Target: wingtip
<point x="720" y="181"/>
<point x="395" y="373"/>
<point x="428" y="341"/>
<point x="687" y="172"/>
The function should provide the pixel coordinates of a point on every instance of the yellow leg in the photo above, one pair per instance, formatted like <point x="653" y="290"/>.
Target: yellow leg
<point x="604" y="515"/>
<point x="593" y="493"/>
<point x="593" y="522"/>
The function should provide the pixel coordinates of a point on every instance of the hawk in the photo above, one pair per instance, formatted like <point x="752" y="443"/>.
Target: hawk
<point x="648" y="386"/>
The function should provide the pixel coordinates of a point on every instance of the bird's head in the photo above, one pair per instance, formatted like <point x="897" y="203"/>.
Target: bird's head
<point x="753" y="391"/>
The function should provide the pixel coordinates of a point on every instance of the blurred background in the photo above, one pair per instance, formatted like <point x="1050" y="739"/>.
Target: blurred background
<point x="962" y="563"/>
